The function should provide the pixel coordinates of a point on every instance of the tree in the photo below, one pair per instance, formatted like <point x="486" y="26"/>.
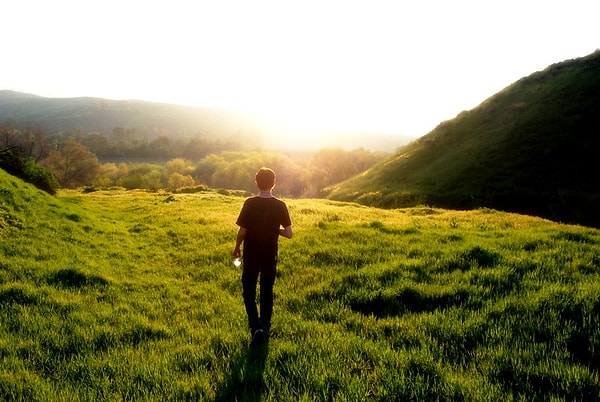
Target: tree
<point x="207" y="167"/>
<point x="8" y="136"/>
<point x="328" y="166"/>
<point x="73" y="164"/>
<point x="181" y="166"/>
<point x="34" y="143"/>
<point x="177" y="181"/>
<point x="234" y="175"/>
<point x="98" y="144"/>
<point x="109" y="175"/>
<point x="333" y="165"/>
<point x="31" y="142"/>
<point x="144" y="175"/>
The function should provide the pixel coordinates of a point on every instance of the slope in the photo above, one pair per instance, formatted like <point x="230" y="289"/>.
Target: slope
<point x="531" y="148"/>
<point x="151" y="120"/>
<point x="55" y="115"/>
<point x="26" y="209"/>
<point x="35" y="226"/>
<point x="124" y="295"/>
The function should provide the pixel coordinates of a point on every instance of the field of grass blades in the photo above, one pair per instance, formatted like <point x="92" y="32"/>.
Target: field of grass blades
<point x="125" y="295"/>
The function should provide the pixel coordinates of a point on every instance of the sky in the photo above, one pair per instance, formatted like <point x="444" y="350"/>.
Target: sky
<point x="396" y="67"/>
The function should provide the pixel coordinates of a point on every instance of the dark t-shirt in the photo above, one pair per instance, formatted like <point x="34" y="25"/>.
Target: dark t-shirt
<point x="262" y="218"/>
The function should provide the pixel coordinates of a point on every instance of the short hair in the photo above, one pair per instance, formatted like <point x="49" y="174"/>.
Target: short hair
<point x="265" y="179"/>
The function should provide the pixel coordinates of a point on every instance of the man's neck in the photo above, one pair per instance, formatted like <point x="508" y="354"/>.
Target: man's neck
<point x="265" y="194"/>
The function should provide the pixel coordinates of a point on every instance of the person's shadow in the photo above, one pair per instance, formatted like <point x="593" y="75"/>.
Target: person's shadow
<point x="246" y="380"/>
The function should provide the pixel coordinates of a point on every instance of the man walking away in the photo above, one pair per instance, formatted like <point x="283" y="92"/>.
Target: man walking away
<point x="262" y="220"/>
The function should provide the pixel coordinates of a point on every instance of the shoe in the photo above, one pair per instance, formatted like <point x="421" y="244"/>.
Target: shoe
<point x="258" y="336"/>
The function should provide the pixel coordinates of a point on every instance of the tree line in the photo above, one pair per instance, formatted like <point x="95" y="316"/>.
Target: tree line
<point x="78" y="159"/>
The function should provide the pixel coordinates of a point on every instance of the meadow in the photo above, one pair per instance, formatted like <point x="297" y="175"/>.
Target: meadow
<point x="129" y="295"/>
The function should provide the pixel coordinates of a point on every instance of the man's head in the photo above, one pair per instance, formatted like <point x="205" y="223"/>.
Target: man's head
<point x="265" y="179"/>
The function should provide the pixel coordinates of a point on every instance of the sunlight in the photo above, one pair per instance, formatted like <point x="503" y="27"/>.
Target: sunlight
<point x="393" y="67"/>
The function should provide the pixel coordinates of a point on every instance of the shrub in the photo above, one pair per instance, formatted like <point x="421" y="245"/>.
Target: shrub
<point x="13" y="162"/>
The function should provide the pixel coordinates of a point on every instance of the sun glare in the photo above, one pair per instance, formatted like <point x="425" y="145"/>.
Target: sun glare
<point x="309" y="67"/>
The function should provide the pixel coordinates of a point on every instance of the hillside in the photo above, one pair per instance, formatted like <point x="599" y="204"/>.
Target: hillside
<point x="532" y="148"/>
<point x="131" y="295"/>
<point x="150" y="119"/>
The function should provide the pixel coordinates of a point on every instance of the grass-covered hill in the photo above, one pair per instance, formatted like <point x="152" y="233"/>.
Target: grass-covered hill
<point x="149" y="119"/>
<point x="531" y="148"/>
<point x="116" y="295"/>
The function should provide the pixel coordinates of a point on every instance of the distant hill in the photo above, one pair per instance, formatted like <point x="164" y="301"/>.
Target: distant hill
<point x="55" y="115"/>
<point x="531" y="148"/>
<point x="149" y="119"/>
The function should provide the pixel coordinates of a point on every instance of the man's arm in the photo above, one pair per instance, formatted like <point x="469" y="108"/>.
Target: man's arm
<point x="241" y="235"/>
<point x="286" y="232"/>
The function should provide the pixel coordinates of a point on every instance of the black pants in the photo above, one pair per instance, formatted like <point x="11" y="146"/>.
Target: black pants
<point x="250" y="275"/>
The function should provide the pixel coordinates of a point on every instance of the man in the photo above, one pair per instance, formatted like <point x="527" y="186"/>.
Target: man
<point x="262" y="220"/>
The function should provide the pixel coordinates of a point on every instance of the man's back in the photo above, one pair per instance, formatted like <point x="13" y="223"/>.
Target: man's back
<point x="262" y="217"/>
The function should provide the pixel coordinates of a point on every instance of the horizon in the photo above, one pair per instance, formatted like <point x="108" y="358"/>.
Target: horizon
<point x="310" y="68"/>
<point x="269" y="134"/>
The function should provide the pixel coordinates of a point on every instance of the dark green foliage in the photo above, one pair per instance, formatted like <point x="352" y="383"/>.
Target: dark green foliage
<point x="40" y="177"/>
<point x="13" y="162"/>
<point x="532" y="148"/>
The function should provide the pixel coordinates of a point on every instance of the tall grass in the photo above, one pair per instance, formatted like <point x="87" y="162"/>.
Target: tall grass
<point x="132" y="296"/>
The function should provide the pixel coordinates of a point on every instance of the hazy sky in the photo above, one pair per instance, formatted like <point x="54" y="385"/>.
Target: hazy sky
<point x="397" y="66"/>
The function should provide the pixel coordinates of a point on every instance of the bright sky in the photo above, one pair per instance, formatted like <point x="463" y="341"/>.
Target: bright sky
<point x="396" y="66"/>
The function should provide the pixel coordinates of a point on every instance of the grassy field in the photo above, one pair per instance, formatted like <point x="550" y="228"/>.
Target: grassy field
<point x="116" y="295"/>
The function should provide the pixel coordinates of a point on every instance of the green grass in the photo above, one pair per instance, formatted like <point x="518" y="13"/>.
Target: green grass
<point x="132" y="296"/>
